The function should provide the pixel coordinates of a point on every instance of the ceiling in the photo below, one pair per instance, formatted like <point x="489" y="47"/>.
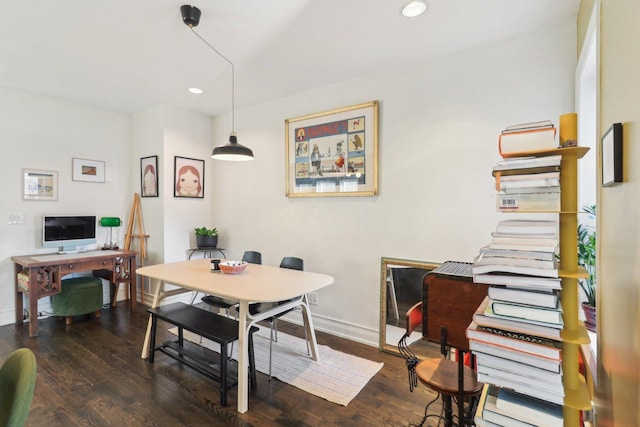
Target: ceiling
<point x="128" y="56"/>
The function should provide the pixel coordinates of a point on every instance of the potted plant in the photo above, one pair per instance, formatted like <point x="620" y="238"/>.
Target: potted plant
<point x="587" y="259"/>
<point x="206" y="237"/>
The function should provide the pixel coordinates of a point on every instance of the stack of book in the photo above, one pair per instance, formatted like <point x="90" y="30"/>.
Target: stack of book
<point x="528" y="183"/>
<point x="515" y="333"/>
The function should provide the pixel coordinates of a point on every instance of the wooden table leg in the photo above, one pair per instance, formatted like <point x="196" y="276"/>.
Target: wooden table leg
<point x="311" y="333"/>
<point x="243" y="358"/>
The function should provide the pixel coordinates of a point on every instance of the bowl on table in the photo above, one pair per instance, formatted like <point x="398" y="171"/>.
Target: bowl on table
<point x="233" y="267"/>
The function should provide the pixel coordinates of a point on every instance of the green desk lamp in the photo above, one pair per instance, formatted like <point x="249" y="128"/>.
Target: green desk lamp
<point x="110" y="222"/>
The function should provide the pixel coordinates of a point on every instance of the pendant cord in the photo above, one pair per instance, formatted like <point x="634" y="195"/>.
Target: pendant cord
<point x="233" y="73"/>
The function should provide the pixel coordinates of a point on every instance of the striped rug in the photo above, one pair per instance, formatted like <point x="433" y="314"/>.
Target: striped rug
<point x="337" y="377"/>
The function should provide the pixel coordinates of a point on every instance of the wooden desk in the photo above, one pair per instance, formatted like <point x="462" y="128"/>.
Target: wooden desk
<point x="258" y="283"/>
<point x="46" y="271"/>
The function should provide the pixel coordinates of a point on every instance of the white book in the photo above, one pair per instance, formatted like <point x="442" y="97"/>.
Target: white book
<point x="481" y="318"/>
<point x="529" y="409"/>
<point x="492" y="414"/>
<point x="522" y="388"/>
<point x="516" y="367"/>
<point x="550" y="248"/>
<point x="539" y="139"/>
<point x="551" y="235"/>
<point x="527" y="312"/>
<point x="527" y="226"/>
<point x="524" y="240"/>
<point x="502" y="268"/>
<point x="532" y="297"/>
<point x="518" y="254"/>
<point x="517" y="280"/>
<point x="530" y="176"/>
<point x="527" y="162"/>
<point x="554" y="387"/>
<point x="521" y="262"/>
<point x="538" y="183"/>
<point x="539" y="362"/>
<point x="529" y="202"/>
<point x="530" y="190"/>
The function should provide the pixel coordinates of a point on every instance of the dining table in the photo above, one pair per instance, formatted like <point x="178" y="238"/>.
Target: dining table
<point x="256" y="284"/>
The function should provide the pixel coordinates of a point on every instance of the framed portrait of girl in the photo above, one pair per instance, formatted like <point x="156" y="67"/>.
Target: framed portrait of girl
<point x="149" y="176"/>
<point x="188" y="177"/>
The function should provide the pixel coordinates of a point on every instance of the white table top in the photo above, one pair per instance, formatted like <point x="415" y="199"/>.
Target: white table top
<point x="257" y="283"/>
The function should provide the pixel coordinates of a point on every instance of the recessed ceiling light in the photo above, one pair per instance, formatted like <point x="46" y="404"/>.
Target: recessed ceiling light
<point x="414" y="8"/>
<point x="195" y="90"/>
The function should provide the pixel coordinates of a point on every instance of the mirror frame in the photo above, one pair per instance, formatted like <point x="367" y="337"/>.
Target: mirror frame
<point x="384" y="265"/>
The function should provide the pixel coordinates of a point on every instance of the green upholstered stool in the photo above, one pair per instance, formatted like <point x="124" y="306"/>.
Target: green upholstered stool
<point x="80" y="295"/>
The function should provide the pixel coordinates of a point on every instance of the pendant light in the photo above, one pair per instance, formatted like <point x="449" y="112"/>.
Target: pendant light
<point x="232" y="150"/>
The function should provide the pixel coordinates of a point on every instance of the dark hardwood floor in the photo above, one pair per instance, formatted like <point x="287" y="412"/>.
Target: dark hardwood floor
<point x="91" y="374"/>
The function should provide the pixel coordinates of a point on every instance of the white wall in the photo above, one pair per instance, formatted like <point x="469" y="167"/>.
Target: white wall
<point x="438" y="141"/>
<point x="44" y="133"/>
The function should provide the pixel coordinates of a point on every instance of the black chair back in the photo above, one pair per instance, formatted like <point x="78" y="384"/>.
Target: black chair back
<point x="252" y="256"/>
<point x="292" y="263"/>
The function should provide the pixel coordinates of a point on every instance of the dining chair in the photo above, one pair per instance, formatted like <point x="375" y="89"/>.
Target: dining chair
<point x="292" y="263"/>
<point x="252" y="257"/>
<point x="440" y="374"/>
<point x="18" y="379"/>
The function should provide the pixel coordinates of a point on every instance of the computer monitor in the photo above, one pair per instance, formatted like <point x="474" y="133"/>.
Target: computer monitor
<point x="68" y="232"/>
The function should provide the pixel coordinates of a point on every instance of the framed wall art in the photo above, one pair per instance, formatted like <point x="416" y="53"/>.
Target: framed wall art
<point x="612" y="155"/>
<point x="333" y="153"/>
<point x="87" y="170"/>
<point x="39" y="184"/>
<point x="149" y="176"/>
<point x="188" y="177"/>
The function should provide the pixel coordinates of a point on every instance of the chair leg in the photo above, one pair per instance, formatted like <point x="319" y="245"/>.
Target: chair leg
<point x="271" y="346"/>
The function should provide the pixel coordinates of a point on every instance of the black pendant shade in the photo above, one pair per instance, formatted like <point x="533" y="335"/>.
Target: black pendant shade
<point x="232" y="151"/>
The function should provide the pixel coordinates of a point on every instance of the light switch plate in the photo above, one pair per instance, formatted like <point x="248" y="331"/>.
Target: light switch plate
<point x="15" y="218"/>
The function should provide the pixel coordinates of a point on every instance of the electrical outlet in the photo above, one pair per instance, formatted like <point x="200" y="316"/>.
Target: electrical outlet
<point x="313" y="298"/>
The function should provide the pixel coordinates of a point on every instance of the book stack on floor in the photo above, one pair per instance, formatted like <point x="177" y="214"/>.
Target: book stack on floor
<point x="515" y="334"/>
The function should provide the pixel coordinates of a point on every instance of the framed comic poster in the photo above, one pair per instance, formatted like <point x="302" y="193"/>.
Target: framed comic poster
<point x="188" y="177"/>
<point x="39" y="184"/>
<point x="149" y="176"/>
<point x="334" y="153"/>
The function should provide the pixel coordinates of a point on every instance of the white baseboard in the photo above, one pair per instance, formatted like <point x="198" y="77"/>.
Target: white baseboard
<point x="321" y="323"/>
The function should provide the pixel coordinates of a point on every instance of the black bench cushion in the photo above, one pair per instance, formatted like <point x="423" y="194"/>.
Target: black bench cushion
<point x="202" y="322"/>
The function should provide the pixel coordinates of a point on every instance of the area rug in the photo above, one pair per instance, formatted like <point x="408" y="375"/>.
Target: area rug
<point x="337" y="377"/>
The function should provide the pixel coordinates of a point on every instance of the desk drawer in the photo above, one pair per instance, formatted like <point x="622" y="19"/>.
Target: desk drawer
<point x="86" y="266"/>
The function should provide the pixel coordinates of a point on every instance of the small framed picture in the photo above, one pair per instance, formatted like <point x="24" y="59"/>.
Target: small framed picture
<point x="612" y="155"/>
<point x="87" y="170"/>
<point x="39" y="184"/>
<point x="149" y="176"/>
<point x="188" y="177"/>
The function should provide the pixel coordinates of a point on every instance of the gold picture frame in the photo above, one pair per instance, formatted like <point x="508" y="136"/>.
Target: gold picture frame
<point x="333" y="153"/>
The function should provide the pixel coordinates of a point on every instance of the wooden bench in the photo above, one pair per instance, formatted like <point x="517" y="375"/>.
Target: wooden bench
<point x="215" y="327"/>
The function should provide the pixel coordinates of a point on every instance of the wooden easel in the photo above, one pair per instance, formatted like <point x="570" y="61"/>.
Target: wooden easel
<point x="135" y="218"/>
